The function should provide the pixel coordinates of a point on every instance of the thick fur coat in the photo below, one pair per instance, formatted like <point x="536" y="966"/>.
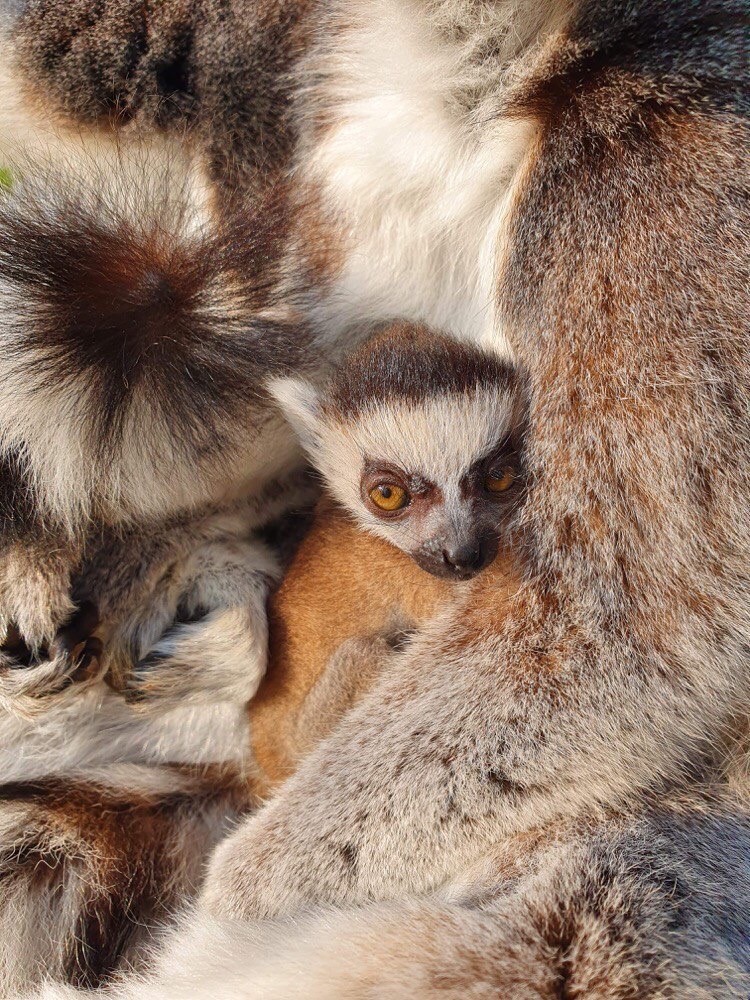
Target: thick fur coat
<point x="566" y="182"/>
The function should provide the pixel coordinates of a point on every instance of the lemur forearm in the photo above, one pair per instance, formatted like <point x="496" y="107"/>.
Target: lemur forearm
<point x="595" y="911"/>
<point x="624" y="657"/>
<point x="457" y="747"/>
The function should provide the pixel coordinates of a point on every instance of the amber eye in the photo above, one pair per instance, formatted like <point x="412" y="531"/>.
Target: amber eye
<point x="501" y="482"/>
<point x="388" y="496"/>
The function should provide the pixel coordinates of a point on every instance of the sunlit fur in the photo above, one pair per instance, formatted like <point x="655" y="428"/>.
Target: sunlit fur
<point x="433" y="432"/>
<point x="621" y="669"/>
<point x="567" y="182"/>
<point x="139" y="454"/>
<point x="625" y="909"/>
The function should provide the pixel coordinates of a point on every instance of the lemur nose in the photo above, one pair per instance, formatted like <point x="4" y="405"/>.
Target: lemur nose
<point x="463" y="559"/>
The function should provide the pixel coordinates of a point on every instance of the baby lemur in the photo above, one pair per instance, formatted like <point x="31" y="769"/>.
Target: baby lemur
<point x="418" y="441"/>
<point x="568" y="179"/>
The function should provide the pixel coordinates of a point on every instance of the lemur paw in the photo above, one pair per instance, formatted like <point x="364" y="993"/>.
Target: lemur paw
<point x="29" y="678"/>
<point x="220" y="658"/>
<point x="35" y="599"/>
<point x="216" y="648"/>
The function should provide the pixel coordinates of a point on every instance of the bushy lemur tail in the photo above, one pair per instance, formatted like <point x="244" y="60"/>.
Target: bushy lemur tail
<point x="134" y="337"/>
<point x="137" y="330"/>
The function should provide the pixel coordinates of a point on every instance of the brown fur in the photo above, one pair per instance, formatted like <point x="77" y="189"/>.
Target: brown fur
<point x="100" y="864"/>
<point x="343" y="584"/>
<point x="622" y="662"/>
<point x="621" y="669"/>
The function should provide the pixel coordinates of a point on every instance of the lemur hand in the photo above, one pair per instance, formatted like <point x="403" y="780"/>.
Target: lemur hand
<point x="213" y="644"/>
<point x="45" y="641"/>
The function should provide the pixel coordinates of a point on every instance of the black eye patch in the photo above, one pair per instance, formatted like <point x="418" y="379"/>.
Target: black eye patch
<point x="501" y="460"/>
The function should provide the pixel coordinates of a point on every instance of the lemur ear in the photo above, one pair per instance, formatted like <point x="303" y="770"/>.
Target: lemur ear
<point x="299" y="401"/>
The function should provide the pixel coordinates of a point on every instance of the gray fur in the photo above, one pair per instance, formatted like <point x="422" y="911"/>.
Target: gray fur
<point x="597" y="152"/>
<point x="619" y="909"/>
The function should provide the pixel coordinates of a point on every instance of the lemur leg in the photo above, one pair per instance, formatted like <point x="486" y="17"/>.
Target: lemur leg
<point x="182" y="605"/>
<point x="617" y="911"/>
<point x="221" y="655"/>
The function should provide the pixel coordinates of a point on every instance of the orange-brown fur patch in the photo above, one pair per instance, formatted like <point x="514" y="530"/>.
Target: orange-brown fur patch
<point x="126" y="849"/>
<point x="342" y="583"/>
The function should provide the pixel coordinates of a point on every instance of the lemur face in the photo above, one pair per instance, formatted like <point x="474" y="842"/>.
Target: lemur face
<point x="450" y="524"/>
<point x="419" y="438"/>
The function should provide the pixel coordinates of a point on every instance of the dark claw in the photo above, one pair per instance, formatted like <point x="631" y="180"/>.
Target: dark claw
<point x="134" y="696"/>
<point x="18" y="654"/>
<point x="13" y="638"/>
<point x="77" y="631"/>
<point x="92" y="650"/>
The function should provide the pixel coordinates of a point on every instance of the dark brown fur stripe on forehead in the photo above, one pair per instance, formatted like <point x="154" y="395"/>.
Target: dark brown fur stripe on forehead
<point x="412" y="364"/>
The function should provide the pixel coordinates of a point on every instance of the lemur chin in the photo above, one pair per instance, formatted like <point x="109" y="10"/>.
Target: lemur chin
<point x="419" y="438"/>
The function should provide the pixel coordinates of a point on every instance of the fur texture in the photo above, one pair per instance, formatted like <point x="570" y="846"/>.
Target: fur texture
<point x="622" y="665"/>
<point x="91" y="866"/>
<point x="432" y="417"/>
<point x="615" y="910"/>
<point x="348" y="604"/>
<point x="139" y="455"/>
<point x="566" y="182"/>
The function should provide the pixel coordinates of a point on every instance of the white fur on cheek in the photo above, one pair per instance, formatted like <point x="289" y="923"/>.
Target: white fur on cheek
<point x="439" y="439"/>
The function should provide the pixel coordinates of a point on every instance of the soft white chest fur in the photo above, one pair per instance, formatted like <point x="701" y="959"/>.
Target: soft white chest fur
<point x="421" y="188"/>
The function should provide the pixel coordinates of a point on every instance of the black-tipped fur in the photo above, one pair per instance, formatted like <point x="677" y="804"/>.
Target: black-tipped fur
<point x="408" y="363"/>
<point x="221" y="66"/>
<point x="135" y="309"/>
<point x="119" y="314"/>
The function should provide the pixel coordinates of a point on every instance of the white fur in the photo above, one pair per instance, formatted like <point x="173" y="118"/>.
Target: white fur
<point x="156" y="184"/>
<point x="438" y="439"/>
<point x="223" y="656"/>
<point x="147" y="476"/>
<point x="96" y="728"/>
<point x="422" y="194"/>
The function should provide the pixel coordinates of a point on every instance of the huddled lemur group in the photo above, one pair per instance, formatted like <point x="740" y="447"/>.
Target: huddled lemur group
<point x="484" y="263"/>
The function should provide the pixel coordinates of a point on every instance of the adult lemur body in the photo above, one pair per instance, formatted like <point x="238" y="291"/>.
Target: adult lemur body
<point x="567" y="179"/>
<point x="611" y="907"/>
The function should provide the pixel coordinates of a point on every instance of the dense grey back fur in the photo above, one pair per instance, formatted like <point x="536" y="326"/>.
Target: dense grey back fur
<point x="225" y="69"/>
<point x="615" y="910"/>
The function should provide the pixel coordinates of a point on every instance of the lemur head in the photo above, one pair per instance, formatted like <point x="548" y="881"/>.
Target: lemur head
<point x="419" y="437"/>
